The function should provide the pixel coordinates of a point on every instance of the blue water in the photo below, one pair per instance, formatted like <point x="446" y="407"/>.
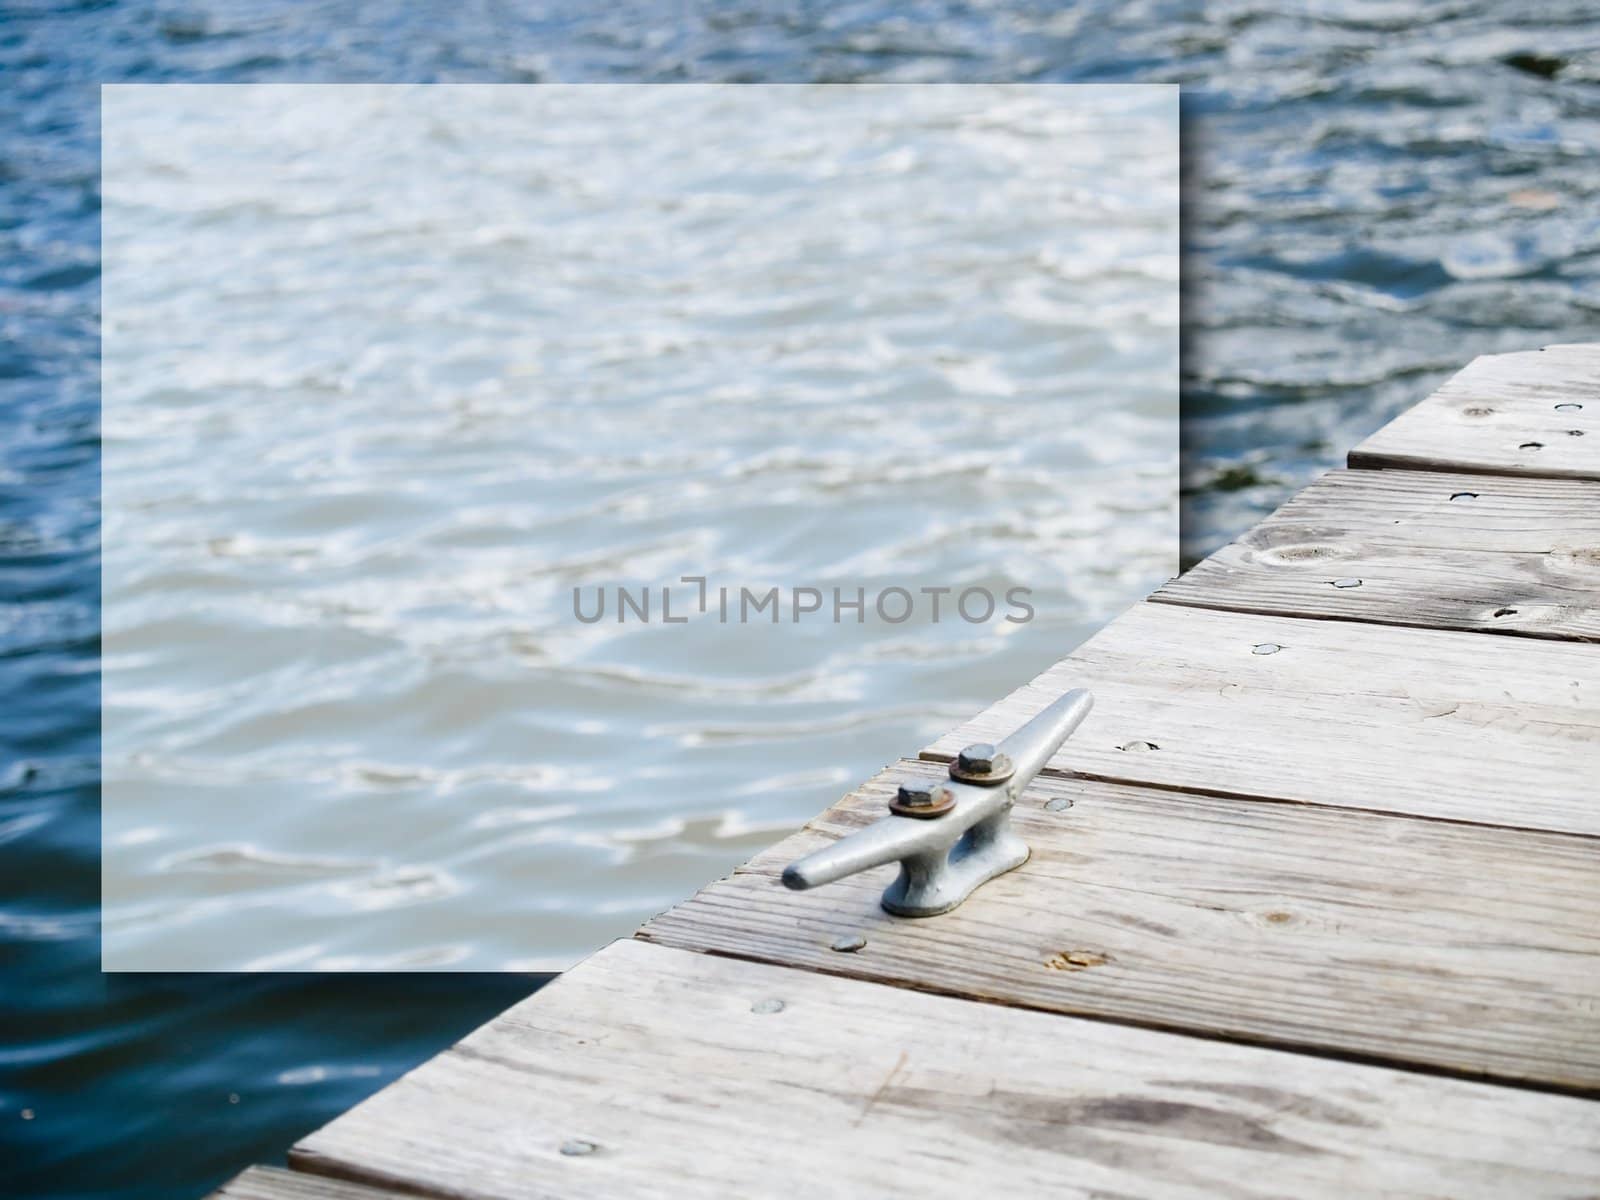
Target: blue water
<point x="1377" y="191"/>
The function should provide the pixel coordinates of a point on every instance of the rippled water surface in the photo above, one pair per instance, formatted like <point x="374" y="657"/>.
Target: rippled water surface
<point x="1376" y="192"/>
<point x="389" y="372"/>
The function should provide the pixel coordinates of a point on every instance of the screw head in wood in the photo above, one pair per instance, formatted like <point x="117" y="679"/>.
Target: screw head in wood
<point x="848" y="943"/>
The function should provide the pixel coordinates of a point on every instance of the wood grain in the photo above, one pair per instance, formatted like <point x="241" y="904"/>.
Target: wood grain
<point x="1500" y="415"/>
<point x="1440" y="551"/>
<point x="268" y="1183"/>
<point x="1441" y="724"/>
<point x="665" y="1073"/>
<point x="1464" y="949"/>
<point x="1227" y="867"/>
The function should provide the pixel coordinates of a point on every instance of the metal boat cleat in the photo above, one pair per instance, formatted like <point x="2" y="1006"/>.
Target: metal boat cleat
<point x="950" y="837"/>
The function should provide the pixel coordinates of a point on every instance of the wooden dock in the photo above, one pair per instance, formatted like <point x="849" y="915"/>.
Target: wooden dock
<point x="1313" y="907"/>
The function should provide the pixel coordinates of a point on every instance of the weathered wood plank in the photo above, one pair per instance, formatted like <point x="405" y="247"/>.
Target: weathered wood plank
<point x="1464" y="944"/>
<point x="1434" y="550"/>
<point x="1443" y="724"/>
<point x="1466" y="949"/>
<point x="267" y="1183"/>
<point x="647" y="1072"/>
<point x="1532" y="413"/>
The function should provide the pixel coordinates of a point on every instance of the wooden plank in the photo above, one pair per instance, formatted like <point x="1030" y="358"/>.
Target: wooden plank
<point x="268" y="1183"/>
<point x="647" y="1072"/>
<point x="1439" y="551"/>
<point x="1461" y="948"/>
<point x="734" y="1050"/>
<point x="1442" y="724"/>
<point x="1510" y="414"/>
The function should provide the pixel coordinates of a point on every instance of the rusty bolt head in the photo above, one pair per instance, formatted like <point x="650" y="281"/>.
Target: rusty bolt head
<point x="917" y="798"/>
<point x="977" y="758"/>
<point x="981" y="763"/>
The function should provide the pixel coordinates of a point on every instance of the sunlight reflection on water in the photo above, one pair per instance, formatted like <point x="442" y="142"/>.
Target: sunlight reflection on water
<point x="390" y="372"/>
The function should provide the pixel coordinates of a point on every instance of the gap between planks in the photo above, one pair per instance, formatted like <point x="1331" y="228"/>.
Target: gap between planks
<point x="273" y="1183"/>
